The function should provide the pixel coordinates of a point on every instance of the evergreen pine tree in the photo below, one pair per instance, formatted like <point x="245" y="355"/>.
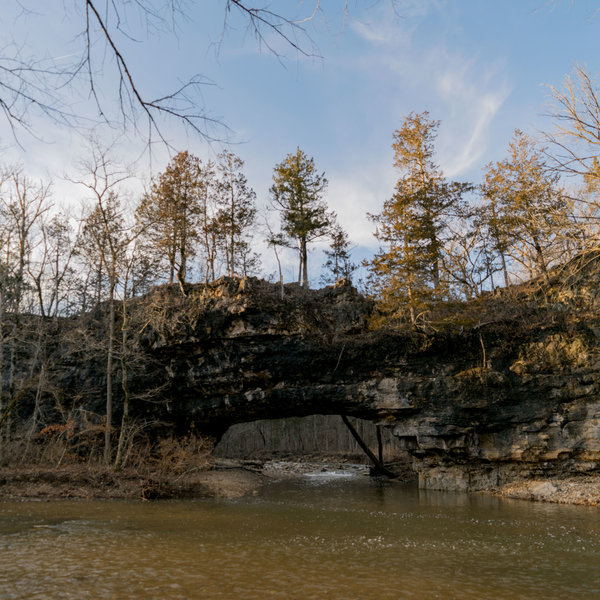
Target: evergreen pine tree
<point x="407" y="269"/>
<point x="297" y="193"/>
<point x="339" y="263"/>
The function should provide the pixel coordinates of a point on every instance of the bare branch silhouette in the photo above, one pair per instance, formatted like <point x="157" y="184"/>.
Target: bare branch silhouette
<point x="33" y="86"/>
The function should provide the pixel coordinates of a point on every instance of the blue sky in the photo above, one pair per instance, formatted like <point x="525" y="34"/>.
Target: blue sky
<point x="480" y="67"/>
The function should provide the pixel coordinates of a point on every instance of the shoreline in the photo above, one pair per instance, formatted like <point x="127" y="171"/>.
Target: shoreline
<point x="581" y="490"/>
<point x="100" y="483"/>
<point x="230" y="479"/>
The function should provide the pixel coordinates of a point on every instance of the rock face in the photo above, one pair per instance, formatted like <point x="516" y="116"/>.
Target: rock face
<point x="237" y="352"/>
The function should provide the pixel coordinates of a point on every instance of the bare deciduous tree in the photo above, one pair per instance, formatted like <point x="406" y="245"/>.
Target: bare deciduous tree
<point x="107" y="234"/>
<point x="22" y="205"/>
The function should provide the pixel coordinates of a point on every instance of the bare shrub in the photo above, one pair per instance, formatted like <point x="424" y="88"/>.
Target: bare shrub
<point x="180" y="455"/>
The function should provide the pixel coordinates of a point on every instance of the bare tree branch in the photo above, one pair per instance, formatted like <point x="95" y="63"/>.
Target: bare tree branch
<point x="575" y="142"/>
<point x="33" y="87"/>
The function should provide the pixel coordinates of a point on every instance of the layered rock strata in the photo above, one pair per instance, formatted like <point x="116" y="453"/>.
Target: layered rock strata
<point x="475" y="406"/>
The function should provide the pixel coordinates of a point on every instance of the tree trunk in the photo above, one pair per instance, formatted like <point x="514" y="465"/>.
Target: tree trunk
<point x="109" y="368"/>
<point x="304" y="264"/>
<point x="540" y="260"/>
<point x="182" y="271"/>
<point x="125" y="388"/>
<point x="36" y="408"/>
<point x="435" y="277"/>
<point x="11" y="378"/>
<point x="504" y="269"/>
<point x="2" y="407"/>
<point x="411" y="305"/>
<point x="99" y="284"/>
<point x="232" y="239"/>
<point x="279" y="267"/>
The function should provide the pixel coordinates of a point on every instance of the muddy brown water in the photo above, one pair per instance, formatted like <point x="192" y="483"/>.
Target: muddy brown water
<point x="318" y="537"/>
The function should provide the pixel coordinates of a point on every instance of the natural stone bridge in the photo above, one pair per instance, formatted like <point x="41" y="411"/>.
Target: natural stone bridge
<point x="237" y="351"/>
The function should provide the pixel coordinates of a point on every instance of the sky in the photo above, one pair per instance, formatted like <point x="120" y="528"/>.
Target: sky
<point x="481" y="68"/>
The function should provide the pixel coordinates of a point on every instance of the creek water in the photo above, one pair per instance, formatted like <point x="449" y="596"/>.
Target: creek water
<point x="319" y="537"/>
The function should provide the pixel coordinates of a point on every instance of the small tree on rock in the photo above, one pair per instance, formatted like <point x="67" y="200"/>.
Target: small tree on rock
<point x="525" y="210"/>
<point x="297" y="193"/>
<point x="339" y="263"/>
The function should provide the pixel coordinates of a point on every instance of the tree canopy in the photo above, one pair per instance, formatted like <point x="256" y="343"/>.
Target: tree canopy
<point x="170" y="212"/>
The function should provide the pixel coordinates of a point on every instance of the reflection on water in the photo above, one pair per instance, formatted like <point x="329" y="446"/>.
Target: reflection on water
<point x="338" y="538"/>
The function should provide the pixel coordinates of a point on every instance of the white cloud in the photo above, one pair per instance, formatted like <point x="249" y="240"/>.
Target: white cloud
<point x="386" y="34"/>
<point x="359" y="191"/>
<point x="416" y="74"/>
<point x="472" y="97"/>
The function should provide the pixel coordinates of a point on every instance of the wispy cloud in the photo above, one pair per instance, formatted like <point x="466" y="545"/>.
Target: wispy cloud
<point x="419" y="71"/>
<point x="472" y="96"/>
<point x="388" y="24"/>
<point x="354" y="195"/>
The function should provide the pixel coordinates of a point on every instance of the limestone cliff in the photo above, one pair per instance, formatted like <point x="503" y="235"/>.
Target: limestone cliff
<point x="512" y="392"/>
